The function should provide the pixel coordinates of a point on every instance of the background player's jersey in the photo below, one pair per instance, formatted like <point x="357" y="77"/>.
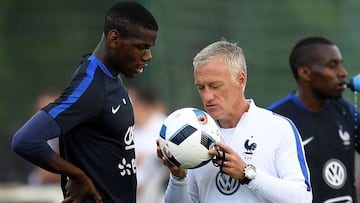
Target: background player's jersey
<point x="96" y="118"/>
<point x="328" y="139"/>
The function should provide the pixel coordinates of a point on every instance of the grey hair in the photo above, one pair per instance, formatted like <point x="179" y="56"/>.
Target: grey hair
<point x="233" y="56"/>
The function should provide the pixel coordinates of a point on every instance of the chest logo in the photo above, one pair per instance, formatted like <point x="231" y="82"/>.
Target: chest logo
<point x="249" y="147"/>
<point x="226" y="184"/>
<point x="127" y="168"/>
<point x="334" y="173"/>
<point x="114" y="110"/>
<point x="307" y="141"/>
<point x="344" y="135"/>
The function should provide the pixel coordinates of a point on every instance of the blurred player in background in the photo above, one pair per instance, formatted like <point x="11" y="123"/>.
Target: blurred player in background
<point x="328" y="124"/>
<point x="150" y="114"/>
<point x="93" y="117"/>
<point x="261" y="158"/>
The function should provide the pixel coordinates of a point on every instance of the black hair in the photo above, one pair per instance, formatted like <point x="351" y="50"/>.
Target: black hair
<point x="123" y="14"/>
<point x="301" y="54"/>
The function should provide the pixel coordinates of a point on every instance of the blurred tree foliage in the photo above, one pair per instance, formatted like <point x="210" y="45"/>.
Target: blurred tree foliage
<point x="41" y="43"/>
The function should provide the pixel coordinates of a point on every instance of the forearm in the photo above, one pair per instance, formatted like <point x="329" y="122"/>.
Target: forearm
<point x="177" y="191"/>
<point x="280" y="190"/>
<point x="79" y="187"/>
<point x="56" y="164"/>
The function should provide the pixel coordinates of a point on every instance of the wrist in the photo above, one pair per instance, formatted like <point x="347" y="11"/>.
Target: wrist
<point x="178" y="177"/>
<point x="249" y="174"/>
<point x="78" y="175"/>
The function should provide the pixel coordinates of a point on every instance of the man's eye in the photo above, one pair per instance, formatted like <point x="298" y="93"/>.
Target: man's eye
<point x="143" y="47"/>
<point x="215" y="86"/>
<point x="334" y="64"/>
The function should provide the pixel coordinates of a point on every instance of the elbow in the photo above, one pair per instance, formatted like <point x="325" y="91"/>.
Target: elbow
<point x="309" y="196"/>
<point x="304" y="196"/>
<point x="18" y="143"/>
<point x="30" y="141"/>
<point x="35" y="151"/>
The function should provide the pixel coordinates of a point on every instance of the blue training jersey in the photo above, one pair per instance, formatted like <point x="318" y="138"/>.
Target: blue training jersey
<point x="96" y="118"/>
<point x="329" y="139"/>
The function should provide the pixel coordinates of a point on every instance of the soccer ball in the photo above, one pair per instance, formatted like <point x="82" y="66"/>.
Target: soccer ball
<point x="186" y="135"/>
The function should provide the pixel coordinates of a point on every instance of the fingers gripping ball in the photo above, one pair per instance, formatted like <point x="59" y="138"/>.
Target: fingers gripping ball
<point x="186" y="135"/>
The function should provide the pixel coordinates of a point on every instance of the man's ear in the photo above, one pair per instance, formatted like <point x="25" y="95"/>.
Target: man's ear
<point x="114" y="38"/>
<point x="241" y="79"/>
<point x="304" y="73"/>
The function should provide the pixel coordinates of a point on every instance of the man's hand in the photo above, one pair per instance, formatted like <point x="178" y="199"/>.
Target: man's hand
<point x="229" y="161"/>
<point x="175" y="170"/>
<point x="78" y="190"/>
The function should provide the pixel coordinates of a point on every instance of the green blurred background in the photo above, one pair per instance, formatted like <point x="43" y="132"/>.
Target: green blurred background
<point x="41" y="43"/>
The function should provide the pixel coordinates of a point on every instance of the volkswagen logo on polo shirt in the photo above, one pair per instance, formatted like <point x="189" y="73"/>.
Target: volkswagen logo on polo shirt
<point x="226" y="184"/>
<point x="334" y="173"/>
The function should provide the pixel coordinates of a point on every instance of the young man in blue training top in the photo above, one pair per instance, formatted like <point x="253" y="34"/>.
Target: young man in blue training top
<point x="326" y="122"/>
<point x="93" y="117"/>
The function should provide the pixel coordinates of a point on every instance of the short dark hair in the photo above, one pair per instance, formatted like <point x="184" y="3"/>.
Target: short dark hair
<point x="301" y="53"/>
<point x="123" y="14"/>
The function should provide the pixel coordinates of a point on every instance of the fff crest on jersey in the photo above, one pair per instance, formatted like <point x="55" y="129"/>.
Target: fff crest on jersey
<point x="250" y="147"/>
<point x="344" y="135"/>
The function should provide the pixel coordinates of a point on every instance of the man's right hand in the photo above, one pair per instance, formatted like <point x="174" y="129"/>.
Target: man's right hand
<point x="175" y="170"/>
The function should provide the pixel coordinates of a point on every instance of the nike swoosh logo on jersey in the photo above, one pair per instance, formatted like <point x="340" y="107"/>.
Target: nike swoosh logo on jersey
<point x="305" y="142"/>
<point x="114" y="110"/>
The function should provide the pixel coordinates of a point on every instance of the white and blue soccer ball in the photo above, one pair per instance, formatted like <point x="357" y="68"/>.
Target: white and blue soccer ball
<point x="186" y="135"/>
